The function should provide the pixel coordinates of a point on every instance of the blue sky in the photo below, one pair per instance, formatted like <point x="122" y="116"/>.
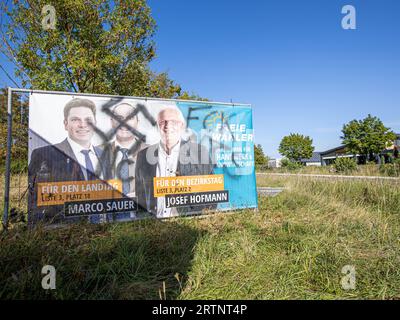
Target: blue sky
<point x="290" y="59"/>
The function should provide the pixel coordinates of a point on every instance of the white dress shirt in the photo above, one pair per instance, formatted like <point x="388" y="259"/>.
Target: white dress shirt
<point x="77" y="148"/>
<point x="166" y="167"/>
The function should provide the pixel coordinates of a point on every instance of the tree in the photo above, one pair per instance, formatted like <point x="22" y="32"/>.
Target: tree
<point x="97" y="46"/>
<point x="191" y="96"/>
<point x="396" y="152"/>
<point x="345" y="165"/>
<point x="19" y="147"/>
<point x="296" y="146"/>
<point x="261" y="160"/>
<point x="367" y="137"/>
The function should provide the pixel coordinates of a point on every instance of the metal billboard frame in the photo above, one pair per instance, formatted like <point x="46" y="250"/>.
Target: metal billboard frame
<point x="10" y="91"/>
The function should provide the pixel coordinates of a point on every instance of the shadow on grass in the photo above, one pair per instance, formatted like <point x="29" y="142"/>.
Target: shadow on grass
<point x="139" y="260"/>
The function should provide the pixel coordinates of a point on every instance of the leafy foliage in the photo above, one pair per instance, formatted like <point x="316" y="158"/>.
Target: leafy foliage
<point x="291" y="165"/>
<point x="367" y="137"/>
<point x="19" y="145"/>
<point x="391" y="169"/>
<point x="345" y="165"/>
<point x="261" y="160"/>
<point x="296" y="147"/>
<point x="396" y="152"/>
<point x="191" y="96"/>
<point x="97" y="46"/>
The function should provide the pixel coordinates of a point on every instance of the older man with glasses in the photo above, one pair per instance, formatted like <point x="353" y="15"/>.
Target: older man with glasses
<point x="172" y="156"/>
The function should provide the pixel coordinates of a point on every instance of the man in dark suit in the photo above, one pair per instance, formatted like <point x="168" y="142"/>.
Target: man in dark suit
<point x="170" y="157"/>
<point x="75" y="158"/>
<point x="121" y="153"/>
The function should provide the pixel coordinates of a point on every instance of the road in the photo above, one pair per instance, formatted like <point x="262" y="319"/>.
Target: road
<point x="269" y="192"/>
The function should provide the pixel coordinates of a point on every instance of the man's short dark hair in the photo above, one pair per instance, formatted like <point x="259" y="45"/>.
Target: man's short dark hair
<point x="78" y="102"/>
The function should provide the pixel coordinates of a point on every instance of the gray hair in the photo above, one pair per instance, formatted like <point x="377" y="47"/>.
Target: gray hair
<point x="180" y="115"/>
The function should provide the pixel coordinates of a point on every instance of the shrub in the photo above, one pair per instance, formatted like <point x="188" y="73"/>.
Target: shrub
<point x="390" y="169"/>
<point x="17" y="166"/>
<point x="345" y="165"/>
<point x="290" y="165"/>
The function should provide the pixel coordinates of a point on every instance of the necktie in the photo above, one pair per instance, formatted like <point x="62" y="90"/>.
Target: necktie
<point x="89" y="166"/>
<point x="124" y="171"/>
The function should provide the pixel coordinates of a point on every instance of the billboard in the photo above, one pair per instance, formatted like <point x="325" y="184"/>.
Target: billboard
<point x="103" y="159"/>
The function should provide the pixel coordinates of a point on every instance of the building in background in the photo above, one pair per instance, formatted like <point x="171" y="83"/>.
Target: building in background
<point x="328" y="157"/>
<point x="275" y="163"/>
<point x="315" y="160"/>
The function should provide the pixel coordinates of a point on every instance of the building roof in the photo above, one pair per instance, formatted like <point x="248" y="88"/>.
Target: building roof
<point x="316" y="157"/>
<point x="342" y="147"/>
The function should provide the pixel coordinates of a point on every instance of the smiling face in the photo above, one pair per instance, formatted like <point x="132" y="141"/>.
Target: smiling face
<point x="122" y="112"/>
<point x="77" y="124"/>
<point x="171" y="126"/>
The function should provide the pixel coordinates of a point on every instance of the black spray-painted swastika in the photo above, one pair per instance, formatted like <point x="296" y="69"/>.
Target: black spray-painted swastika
<point x="108" y="136"/>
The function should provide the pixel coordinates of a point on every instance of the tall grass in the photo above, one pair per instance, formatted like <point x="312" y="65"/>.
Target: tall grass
<point x="361" y="170"/>
<point x="379" y="195"/>
<point x="293" y="248"/>
<point x="297" y="246"/>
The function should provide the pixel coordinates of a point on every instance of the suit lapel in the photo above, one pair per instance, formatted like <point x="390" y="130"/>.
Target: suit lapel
<point x="72" y="164"/>
<point x="153" y="168"/>
<point x="181" y="168"/>
<point x="152" y="174"/>
<point x="67" y="150"/>
<point x="99" y="173"/>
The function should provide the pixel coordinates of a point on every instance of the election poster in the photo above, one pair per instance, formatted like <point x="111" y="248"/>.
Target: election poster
<point x="107" y="159"/>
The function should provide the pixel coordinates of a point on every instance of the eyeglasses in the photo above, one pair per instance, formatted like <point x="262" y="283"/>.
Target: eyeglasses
<point x="120" y="119"/>
<point x="174" y="123"/>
